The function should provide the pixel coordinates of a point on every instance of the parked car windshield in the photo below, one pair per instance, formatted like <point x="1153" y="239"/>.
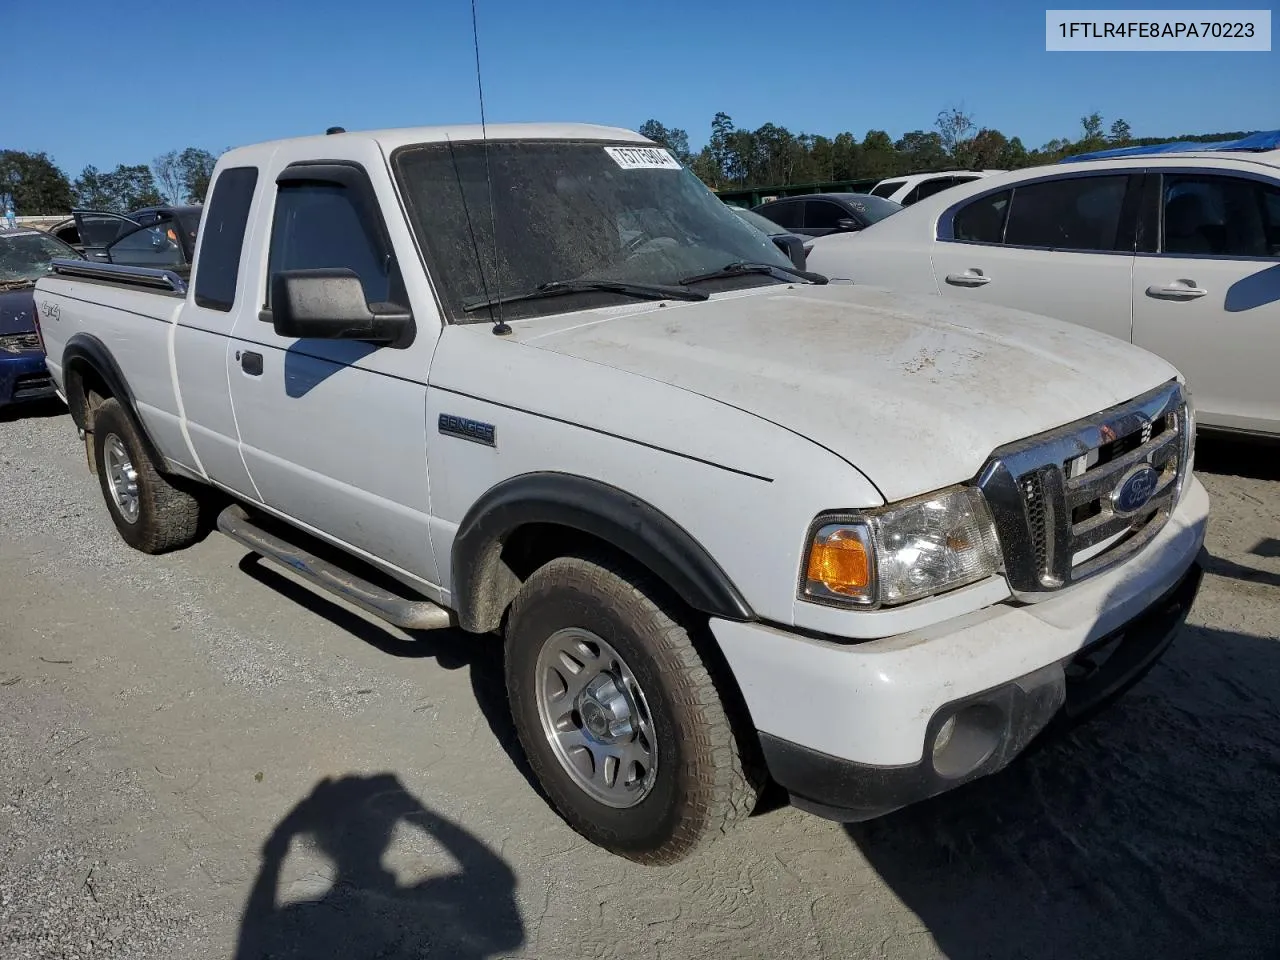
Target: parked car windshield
<point x="567" y="210"/>
<point x="763" y="224"/>
<point x="873" y="209"/>
<point x="27" y="255"/>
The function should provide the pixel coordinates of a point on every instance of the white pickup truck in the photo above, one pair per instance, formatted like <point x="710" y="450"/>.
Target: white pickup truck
<point x="733" y="523"/>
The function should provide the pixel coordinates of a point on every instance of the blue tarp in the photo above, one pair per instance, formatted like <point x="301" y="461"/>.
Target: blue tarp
<point x="1263" y="140"/>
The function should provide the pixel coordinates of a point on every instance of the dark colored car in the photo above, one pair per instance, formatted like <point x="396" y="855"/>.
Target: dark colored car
<point x="25" y="257"/>
<point x="794" y="246"/>
<point x="162" y="237"/>
<point x="819" y="214"/>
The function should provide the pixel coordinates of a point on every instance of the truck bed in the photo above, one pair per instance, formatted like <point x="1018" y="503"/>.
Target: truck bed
<point x="135" y="310"/>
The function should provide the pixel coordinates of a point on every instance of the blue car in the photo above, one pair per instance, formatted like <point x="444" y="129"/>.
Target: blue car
<point x="25" y="256"/>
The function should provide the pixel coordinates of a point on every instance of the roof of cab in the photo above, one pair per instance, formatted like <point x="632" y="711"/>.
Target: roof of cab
<point x="392" y="138"/>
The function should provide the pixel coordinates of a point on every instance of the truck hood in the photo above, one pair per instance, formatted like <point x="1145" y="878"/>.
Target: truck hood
<point x="916" y="392"/>
<point x="17" y="311"/>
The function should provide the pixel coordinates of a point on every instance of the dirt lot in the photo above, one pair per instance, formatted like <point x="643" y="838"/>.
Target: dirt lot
<point x="200" y="758"/>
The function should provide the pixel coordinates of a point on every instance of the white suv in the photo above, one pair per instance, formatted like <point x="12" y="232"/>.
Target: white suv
<point x="918" y="186"/>
<point x="1176" y="252"/>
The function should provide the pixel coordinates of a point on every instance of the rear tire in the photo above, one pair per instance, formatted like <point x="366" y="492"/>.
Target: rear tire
<point x="151" y="513"/>
<point x="681" y="777"/>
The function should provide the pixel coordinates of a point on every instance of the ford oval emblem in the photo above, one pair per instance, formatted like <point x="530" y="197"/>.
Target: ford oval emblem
<point x="1135" y="490"/>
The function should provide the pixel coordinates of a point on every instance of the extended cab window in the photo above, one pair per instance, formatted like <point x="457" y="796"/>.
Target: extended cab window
<point x="1222" y="216"/>
<point x="225" y="223"/>
<point x="1076" y="213"/>
<point x="317" y="225"/>
<point x="982" y="221"/>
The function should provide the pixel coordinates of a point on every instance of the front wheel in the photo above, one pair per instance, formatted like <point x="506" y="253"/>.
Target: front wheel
<point x="619" y="715"/>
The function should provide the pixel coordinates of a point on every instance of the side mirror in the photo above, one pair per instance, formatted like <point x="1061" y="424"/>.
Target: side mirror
<point x="848" y="225"/>
<point x="793" y="247"/>
<point x="329" y="304"/>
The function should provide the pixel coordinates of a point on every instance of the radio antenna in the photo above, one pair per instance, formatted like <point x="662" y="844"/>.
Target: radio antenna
<point x="500" y="327"/>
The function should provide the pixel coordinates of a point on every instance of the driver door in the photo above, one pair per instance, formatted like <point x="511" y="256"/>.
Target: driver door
<point x="333" y="431"/>
<point x="97" y="230"/>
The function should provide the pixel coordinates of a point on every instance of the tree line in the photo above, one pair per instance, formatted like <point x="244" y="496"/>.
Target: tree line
<point x="772" y="155"/>
<point x="39" y="187"/>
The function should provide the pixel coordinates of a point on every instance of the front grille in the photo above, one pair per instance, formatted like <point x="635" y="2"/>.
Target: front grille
<point x="1077" y="500"/>
<point x="1038" y="518"/>
<point x="19" y="342"/>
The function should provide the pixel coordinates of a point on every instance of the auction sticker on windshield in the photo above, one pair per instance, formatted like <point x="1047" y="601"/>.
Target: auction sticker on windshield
<point x="642" y="158"/>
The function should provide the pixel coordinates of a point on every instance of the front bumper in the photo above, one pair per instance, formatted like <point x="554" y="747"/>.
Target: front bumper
<point x="24" y="377"/>
<point x="849" y="728"/>
<point x="1001" y="722"/>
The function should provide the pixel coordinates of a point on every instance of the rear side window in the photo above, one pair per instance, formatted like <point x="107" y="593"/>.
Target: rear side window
<point x="887" y="189"/>
<point x="824" y="215"/>
<point x="1079" y="213"/>
<point x="982" y="221"/>
<point x="224" y="226"/>
<point x="788" y="213"/>
<point x="930" y="187"/>
<point x="156" y="245"/>
<point x="1220" y="216"/>
<point x="318" y="225"/>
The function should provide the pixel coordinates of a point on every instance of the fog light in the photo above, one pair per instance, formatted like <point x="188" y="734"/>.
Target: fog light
<point x="943" y="738"/>
<point x="967" y="739"/>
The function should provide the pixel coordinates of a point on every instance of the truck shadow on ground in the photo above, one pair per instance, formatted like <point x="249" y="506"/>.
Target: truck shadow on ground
<point x="363" y="911"/>
<point x="1147" y="832"/>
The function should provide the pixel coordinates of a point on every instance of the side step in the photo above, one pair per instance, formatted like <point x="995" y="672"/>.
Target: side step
<point x="410" y="614"/>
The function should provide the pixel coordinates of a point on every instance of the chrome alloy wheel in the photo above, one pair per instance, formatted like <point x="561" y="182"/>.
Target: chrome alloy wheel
<point x="122" y="478"/>
<point x="596" y="718"/>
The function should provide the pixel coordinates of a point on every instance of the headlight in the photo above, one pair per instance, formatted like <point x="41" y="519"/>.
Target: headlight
<point x="901" y="552"/>
<point x="1189" y="443"/>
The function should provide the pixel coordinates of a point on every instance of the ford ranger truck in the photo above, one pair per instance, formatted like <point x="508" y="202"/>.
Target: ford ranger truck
<point x="733" y="523"/>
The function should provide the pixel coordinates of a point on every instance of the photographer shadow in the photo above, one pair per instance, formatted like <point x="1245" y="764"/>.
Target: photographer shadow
<point x="363" y="911"/>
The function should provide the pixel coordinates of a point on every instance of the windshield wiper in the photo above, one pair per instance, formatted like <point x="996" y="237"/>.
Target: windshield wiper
<point x="739" y="267"/>
<point x="558" y="288"/>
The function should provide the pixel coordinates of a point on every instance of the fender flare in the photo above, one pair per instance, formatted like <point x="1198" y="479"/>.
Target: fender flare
<point x="482" y="586"/>
<point x="85" y="350"/>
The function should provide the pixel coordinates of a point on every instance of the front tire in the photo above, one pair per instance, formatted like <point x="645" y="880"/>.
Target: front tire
<point x="619" y="715"/>
<point x="151" y="514"/>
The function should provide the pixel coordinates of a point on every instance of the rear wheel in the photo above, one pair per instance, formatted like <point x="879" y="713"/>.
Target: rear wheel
<point x="619" y="715"/>
<point x="151" y="513"/>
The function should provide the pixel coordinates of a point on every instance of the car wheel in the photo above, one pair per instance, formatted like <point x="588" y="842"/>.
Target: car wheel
<point x="619" y="714"/>
<point x="151" y="513"/>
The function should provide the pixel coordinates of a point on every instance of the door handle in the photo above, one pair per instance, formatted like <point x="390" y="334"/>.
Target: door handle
<point x="250" y="362"/>
<point x="1178" y="290"/>
<point x="973" y="277"/>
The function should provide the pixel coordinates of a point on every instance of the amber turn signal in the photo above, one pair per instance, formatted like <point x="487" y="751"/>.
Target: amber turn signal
<point x="839" y="562"/>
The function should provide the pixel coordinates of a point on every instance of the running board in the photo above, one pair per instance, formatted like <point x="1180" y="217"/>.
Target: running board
<point x="410" y="614"/>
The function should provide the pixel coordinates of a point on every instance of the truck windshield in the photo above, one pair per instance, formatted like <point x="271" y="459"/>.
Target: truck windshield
<point x="26" y="255"/>
<point x="567" y="211"/>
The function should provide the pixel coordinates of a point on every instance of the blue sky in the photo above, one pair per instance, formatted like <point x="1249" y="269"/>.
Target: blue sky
<point x="111" y="81"/>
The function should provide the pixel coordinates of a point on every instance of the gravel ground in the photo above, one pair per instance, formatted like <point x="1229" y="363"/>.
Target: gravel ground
<point x="201" y="758"/>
